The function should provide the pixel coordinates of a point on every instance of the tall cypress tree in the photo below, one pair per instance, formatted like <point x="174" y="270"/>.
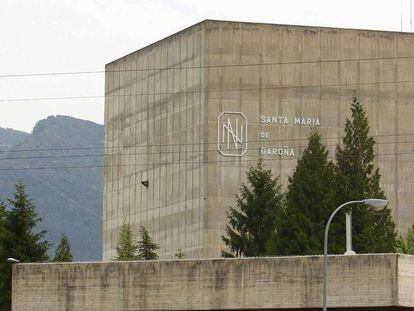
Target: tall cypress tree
<point x="19" y="239"/>
<point x="309" y="201"/>
<point x="252" y="227"/>
<point x="357" y="179"/>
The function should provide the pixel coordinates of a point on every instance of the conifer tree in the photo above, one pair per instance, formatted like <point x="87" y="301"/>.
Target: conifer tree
<point x="406" y="245"/>
<point x="410" y="241"/>
<point x="63" y="251"/>
<point x="146" y="247"/>
<point x="179" y="254"/>
<point x="252" y="226"/>
<point x="19" y="239"/>
<point x="357" y="179"/>
<point x="127" y="246"/>
<point x="5" y="269"/>
<point x="309" y="201"/>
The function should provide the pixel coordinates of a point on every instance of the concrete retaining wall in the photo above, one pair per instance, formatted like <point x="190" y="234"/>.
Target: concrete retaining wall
<point x="256" y="283"/>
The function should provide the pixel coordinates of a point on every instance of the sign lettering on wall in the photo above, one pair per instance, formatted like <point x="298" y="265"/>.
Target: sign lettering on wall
<point x="232" y="133"/>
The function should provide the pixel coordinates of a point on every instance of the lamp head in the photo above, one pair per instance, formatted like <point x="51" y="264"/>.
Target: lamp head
<point x="12" y="260"/>
<point x="376" y="204"/>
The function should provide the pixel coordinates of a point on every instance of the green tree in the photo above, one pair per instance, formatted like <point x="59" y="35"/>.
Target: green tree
<point x="357" y="178"/>
<point x="146" y="247"/>
<point x="5" y="269"/>
<point x="180" y="254"/>
<point x="406" y="245"/>
<point x="63" y="251"/>
<point x="19" y="240"/>
<point x="410" y="241"/>
<point x="252" y="226"/>
<point x="309" y="201"/>
<point x="127" y="247"/>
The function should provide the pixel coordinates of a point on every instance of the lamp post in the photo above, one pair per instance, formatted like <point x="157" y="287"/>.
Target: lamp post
<point x="374" y="204"/>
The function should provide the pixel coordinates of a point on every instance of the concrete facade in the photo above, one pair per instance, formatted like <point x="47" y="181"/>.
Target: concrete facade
<point x="164" y="121"/>
<point x="379" y="282"/>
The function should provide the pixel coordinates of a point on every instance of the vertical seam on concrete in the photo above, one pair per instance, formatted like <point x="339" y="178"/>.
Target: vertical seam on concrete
<point x="221" y="164"/>
<point x="397" y="277"/>
<point x="160" y="166"/>
<point x="205" y="140"/>
<point x="166" y="149"/>
<point x="186" y="145"/>
<point x="179" y="142"/>
<point x="193" y="141"/>
<point x="118" y="160"/>
<point x="130" y="133"/>
<point x="301" y="129"/>
<point x="147" y="138"/>
<point x="241" y="92"/>
<point x="121" y="134"/>
<point x="130" y="104"/>
<point x="320" y="75"/>
<point x="153" y="147"/>
<point x="338" y="122"/>
<point x="106" y="172"/>
<point x="397" y="102"/>
<point x="173" y="73"/>
<point x="279" y="161"/>
<point x="133" y="206"/>
<point x="141" y="140"/>
<point x="201" y="155"/>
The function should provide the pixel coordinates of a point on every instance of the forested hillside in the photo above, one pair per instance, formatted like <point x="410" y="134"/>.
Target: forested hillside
<point x="61" y="165"/>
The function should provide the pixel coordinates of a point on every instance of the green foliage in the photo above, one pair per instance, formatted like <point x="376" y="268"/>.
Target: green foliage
<point x="18" y="239"/>
<point x="63" y="251"/>
<point x="309" y="201"/>
<point x="406" y="245"/>
<point x="127" y="247"/>
<point x="180" y="254"/>
<point x="357" y="178"/>
<point x="410" y="241"/>
<point x="252" y="227"/>
<point x="146" y="247"/>
<point x="5" y="268"/>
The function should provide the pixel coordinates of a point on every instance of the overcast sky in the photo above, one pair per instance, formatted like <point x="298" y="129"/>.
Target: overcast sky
<point x="83" y="35"/>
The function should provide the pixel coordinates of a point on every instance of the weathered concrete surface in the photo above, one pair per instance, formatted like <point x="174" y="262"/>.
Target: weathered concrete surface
<point x="251" y="283"/>
<point x="161" y="121"/>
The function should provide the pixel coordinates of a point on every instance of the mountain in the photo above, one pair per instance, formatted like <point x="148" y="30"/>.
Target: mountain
<point x="10" y="138"/>
<point x="60" y="163"/>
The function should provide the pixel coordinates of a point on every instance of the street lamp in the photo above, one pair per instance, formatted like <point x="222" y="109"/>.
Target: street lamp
<point x="375" y="205"/>
<point x="348" y="225"/>
<point x="12" y="260"/>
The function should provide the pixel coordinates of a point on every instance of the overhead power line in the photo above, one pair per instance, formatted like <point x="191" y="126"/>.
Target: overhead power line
<point x="187" y="152"/>
<point x="218" y="90"/>
<point x="186" y="162"/>
<point x="71" y="148"/>
<point x="174" y="67"/>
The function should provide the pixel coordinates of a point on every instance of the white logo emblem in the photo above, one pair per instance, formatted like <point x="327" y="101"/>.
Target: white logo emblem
<point x="232" y="134"/>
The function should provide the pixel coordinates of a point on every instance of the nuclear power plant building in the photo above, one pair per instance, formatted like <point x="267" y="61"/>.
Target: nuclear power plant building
<point x="186" y="116"/>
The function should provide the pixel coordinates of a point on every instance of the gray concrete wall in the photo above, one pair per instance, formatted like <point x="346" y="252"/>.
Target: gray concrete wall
<point x="217" y="284"/>
<point x="162" y="125"/>
<point x="154" y="123"/>
<point x="312" y="72"/>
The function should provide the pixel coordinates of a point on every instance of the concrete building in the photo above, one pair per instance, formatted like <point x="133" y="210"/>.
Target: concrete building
<point x="191" y="113"/>
<point x="362" y="282"/>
